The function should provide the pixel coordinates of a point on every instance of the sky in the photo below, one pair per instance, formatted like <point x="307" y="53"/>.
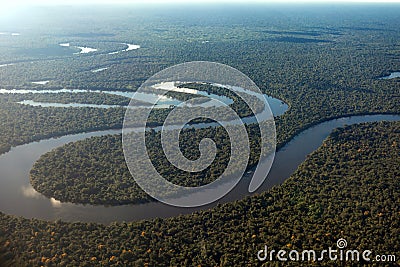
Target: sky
<point x="4" y="3"/>
<point x="10" y="7"/>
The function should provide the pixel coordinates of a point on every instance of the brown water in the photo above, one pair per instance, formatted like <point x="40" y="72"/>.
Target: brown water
<point x="18" y="198"/>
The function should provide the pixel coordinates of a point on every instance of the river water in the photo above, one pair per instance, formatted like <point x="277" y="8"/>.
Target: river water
<point x="277" y="106"/>
<point x="392" y="75"/>
<point x="17" y="197"/>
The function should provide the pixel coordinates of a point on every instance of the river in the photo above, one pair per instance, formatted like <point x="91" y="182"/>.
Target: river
<point x="17" y="197"/>
<point x="392" y="75"/>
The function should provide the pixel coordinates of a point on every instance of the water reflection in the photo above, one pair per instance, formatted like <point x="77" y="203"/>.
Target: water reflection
<point x="17" y="197"/>
<point x="29" y="192"/>
<point x="55" y="203"/>
<point x="391" y="76"/>
<point x="277" y="106"/>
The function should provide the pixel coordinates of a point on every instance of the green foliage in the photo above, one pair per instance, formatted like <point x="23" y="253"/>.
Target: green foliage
<point x="22" y="124"/>
<point x="348" y="188"/>
<point x="318" y="80"/>
<point x="80" y="98"/>
<point x="323" y="67"/>
<point x="94" y="170"/>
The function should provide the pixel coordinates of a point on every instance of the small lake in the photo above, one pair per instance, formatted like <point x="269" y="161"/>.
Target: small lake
<point x="6" y="65"/>
<point x="17" y="196"/>
<point x="41" y="82"/>
<point x="130" y="47"/>
<point x="391" y="76"/>
<point x="69" y="105"/>
<point x="85" y="50"/>
<point x="99" y="70"/>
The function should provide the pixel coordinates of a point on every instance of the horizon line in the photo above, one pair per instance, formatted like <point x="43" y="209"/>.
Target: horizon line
<point x="185" y="2"/>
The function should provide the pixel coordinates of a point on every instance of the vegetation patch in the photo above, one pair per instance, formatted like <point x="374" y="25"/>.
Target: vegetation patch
<point x="348" y="188"/>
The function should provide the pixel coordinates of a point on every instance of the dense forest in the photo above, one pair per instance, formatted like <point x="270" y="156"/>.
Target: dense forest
<point x="79" y="98"/>
<point x="22" y="124"/>
<point x="94" y="170"/>
<point x="324" y="62"/>
<point x="326" y="80"/>
<point x="21" y="120"/>
<point x="348" y="188"/>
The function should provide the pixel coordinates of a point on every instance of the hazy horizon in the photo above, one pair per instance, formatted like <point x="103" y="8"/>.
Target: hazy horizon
<point x="110" y="2"/>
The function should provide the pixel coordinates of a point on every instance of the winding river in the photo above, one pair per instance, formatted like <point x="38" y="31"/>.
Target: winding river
<point x="277" y="106"/>
<point x="17" y="197"/>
